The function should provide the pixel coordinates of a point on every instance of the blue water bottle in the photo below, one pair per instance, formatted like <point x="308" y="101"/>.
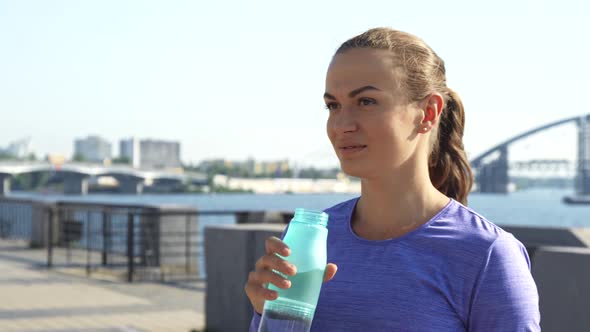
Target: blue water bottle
<point x="294" y="308"/>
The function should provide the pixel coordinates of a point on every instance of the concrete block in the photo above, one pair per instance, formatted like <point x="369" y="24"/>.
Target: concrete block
<point x="535" y="237"/>
<point x="40" y="219"/>
<point x="230" y="254"/>
<point x="562" y="275"/>
<point x="75" y="184"/>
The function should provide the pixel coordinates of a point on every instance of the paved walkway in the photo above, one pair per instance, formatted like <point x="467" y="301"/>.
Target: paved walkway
<point x="35" y="299"/>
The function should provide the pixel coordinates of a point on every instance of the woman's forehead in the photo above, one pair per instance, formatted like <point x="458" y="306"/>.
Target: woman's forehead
<point x="362" y="58"/>
<point x="361" y="67"/>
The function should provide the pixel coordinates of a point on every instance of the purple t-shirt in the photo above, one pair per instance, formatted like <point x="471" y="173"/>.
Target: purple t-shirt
<point x="457" y="272"/>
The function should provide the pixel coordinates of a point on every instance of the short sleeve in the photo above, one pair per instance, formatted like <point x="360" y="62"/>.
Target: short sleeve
<point x="255" y="323"/>
<point x="505" y="296"/>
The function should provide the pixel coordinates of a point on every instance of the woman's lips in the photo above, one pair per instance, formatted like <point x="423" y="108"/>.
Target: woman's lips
<point x="358" y="146"/>
<point x="351" y="149"/>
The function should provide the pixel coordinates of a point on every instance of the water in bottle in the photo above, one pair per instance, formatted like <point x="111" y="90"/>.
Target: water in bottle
<point x="294" y="308"/>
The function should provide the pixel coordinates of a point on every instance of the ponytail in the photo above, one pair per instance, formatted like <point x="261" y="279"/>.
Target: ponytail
<point x="448" y="166"/>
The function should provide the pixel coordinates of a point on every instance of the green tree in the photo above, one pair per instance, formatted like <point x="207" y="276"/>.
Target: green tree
<point x="79" y="157"/>
<point x="121" y="160"/>
<point x="6" y="156"/>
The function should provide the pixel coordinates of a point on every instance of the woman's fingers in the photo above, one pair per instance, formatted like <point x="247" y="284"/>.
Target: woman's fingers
<point x="268" y="271"/>
<point x="274" y="245"/>
<point x="258" y="293"/>
<point x="266" y="276"/>
<point x="274" y="262"/>
<point x="330" y="271"/>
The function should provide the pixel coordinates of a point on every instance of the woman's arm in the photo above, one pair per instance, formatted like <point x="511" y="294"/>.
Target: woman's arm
<point x="505" y="296"/>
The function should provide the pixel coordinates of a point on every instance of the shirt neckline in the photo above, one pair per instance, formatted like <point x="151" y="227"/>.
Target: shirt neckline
<point x="395" y="239"/>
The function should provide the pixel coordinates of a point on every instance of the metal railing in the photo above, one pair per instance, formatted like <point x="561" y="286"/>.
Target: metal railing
<point x="130" y="237"/>
<point x="15" y="218"/>
<point x="131" y="242"/>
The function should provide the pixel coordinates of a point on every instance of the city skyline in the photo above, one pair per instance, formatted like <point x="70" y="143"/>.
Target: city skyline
<point x="88" y="149"/>
<point x="246" y="80"/>
<point x="522" y="148"/>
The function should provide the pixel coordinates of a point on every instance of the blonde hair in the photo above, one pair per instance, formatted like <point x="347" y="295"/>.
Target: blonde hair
<point x="421" y="72"/>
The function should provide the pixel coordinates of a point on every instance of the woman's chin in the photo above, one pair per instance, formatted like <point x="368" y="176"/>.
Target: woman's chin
<point x="353" y="170"/>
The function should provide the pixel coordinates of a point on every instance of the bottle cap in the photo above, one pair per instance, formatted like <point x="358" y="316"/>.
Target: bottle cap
<point x="311" y="217"/>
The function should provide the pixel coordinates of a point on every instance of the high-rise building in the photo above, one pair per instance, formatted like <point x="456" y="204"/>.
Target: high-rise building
<point x="129" y="148"/>
<point x="150" y="153"/>
<point x="159" y="154"/>
<point x="92" y="148"/>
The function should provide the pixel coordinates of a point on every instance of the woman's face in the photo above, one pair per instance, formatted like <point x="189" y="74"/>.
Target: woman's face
<point x="371" y="126"/>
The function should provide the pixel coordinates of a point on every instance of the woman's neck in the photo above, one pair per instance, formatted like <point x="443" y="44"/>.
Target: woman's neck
<point x="390" y="208"/>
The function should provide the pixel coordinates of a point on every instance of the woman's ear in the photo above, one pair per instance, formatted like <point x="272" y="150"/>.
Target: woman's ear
<point x="432" y="107"/>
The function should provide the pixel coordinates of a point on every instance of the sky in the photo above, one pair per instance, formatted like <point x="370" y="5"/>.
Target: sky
<point x="239" y="79"/>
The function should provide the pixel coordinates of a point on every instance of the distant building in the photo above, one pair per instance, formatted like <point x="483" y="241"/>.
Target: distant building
<point x="276" y="168"/>
<point x="289" y="185"/>
<point x="129" y="148"/>
<point x="150" y="153"/>
<point x="92" y="148"/>
<point x="250" y="167"/>
<point x="206" y="165"/>
<point x="18" y="149"/>
<point x="159" y="154"/>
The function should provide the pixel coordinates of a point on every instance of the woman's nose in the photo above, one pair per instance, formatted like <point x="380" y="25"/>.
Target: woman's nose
<point x="344" y="122"/>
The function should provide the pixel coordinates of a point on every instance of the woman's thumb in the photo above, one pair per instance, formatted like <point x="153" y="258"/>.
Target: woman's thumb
<point x="330" y="271"/>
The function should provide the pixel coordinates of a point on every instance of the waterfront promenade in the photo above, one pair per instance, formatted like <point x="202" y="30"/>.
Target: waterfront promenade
<point x="35" y="299"/>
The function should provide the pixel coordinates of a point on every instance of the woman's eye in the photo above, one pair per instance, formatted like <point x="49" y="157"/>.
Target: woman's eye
<point x="367" y="101"/>
<point x="331" y="106"/>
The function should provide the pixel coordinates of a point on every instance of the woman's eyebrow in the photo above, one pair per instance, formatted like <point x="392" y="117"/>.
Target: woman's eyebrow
<point x="354" y="92"/>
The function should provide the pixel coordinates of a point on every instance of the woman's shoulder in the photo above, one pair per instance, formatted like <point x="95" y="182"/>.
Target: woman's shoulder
<point x="464" y="240"/>
<point x="470" y="227"/>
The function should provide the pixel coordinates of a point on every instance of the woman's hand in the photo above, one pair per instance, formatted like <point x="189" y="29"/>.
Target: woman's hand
<point x="263" y="274"/>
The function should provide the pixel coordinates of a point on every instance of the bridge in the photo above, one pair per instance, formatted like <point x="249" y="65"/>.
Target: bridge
<point x="543" y="165"/>
<point x="76" y="176"/>
<point x="491" y="167"/>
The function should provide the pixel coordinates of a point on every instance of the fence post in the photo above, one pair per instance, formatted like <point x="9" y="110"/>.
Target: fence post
<point x="130" y="245"/>
<point x="65" y="214"/>
<point x="105" y="235"/>
<point x="88" y="241"/>
<point x="158" y="222"/>
<point x="50" y="237"/>
<point x="187" y="248"/>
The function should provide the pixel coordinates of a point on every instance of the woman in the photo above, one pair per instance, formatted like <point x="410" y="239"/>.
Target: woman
<point x="410" y="256"/>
